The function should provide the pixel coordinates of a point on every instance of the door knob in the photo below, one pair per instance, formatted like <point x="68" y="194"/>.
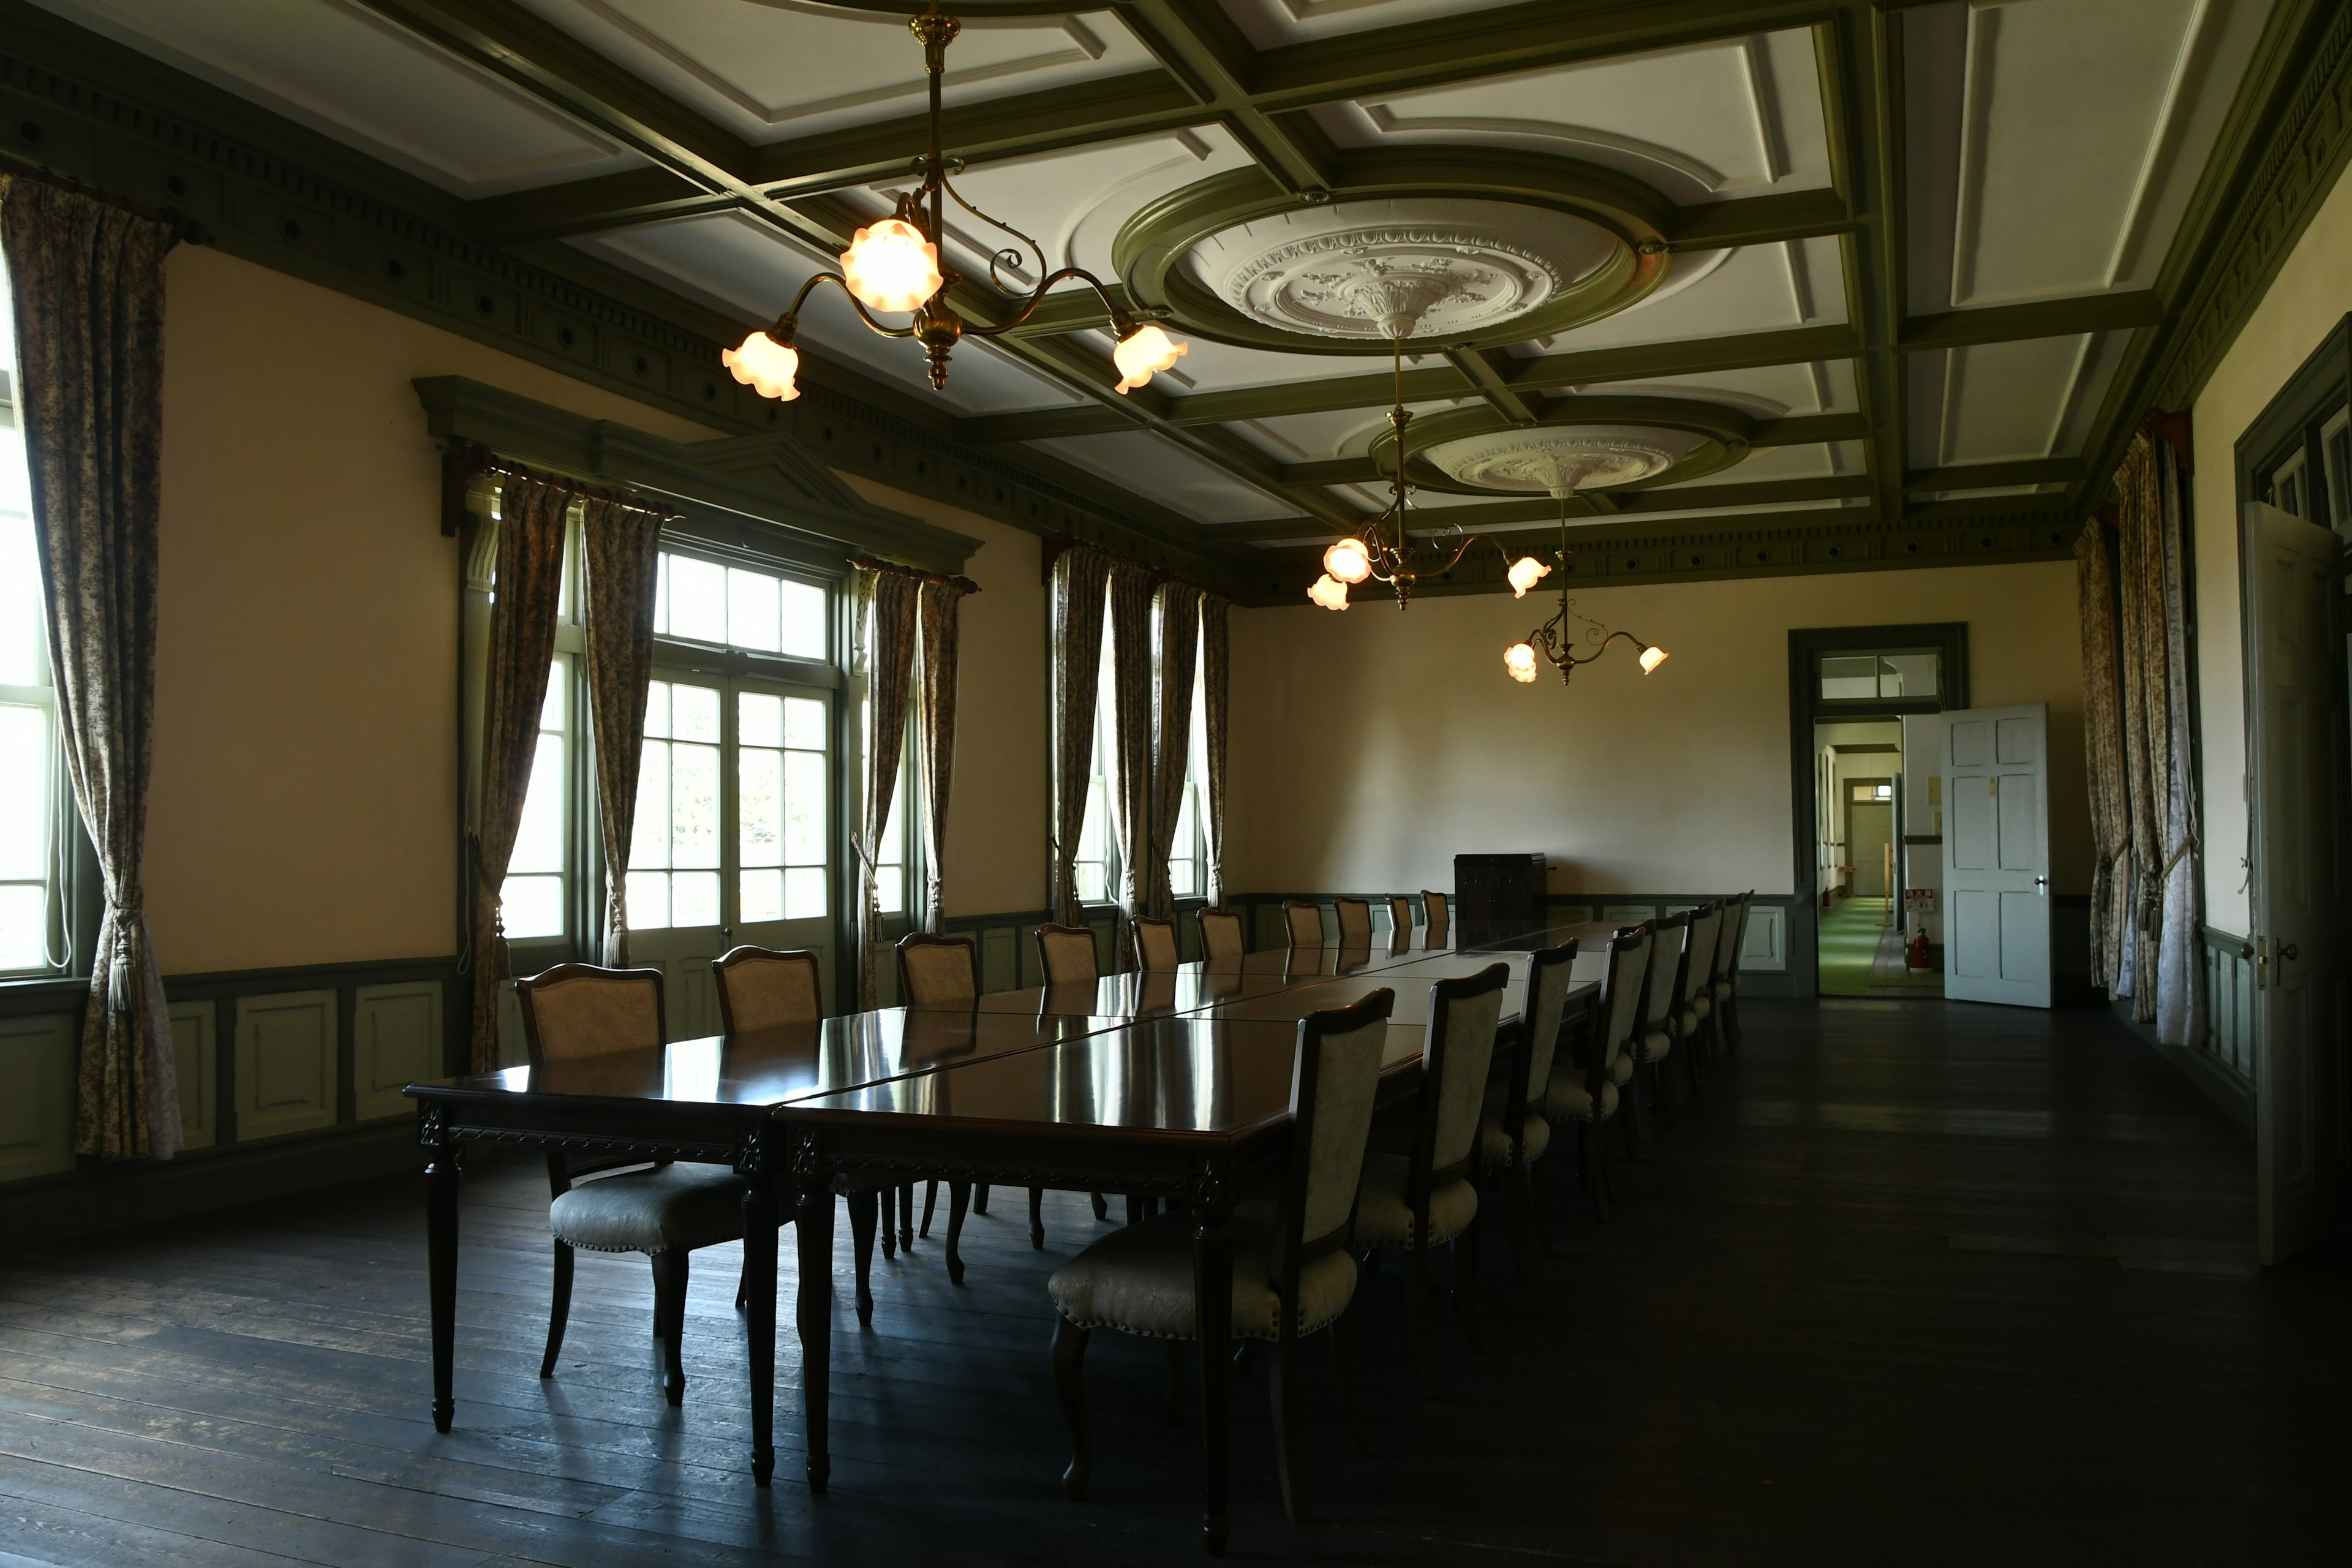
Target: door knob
<point x="2286" y="951"/>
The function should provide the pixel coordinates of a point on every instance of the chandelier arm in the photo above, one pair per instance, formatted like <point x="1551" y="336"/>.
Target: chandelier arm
<point x="1003" y="255"/>
<point x="789" y="323"/>
<point x="1121" y="323"/>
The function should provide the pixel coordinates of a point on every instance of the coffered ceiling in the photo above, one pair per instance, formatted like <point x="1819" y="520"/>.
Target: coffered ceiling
<point x="1919" y="256"/>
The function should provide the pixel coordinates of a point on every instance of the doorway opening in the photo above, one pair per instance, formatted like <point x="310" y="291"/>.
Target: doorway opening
<point x="1866" y="747"/>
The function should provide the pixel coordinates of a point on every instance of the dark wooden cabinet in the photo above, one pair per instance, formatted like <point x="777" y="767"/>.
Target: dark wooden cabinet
<point x="1497" y="890"/>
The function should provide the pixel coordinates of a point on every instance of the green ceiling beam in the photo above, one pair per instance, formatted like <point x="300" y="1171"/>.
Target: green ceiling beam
<point x="2037" y="319"/>
<point x="1200" y="47"/>
<point x="1803" y="429"/>
<point x="1761" y="220"/>
<point x="1991" y="476"/>
<point x="1489" y="371"/>
<point x="586" y="207"/>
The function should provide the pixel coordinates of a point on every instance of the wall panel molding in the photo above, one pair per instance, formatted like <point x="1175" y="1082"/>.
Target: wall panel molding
<point x="195" y="1055"/>
<point x="37" y="1114"/>
<point x="287" y="1074"/>
<point x="396" y="1034"/>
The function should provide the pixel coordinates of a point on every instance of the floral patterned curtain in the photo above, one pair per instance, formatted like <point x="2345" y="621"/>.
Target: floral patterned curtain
<point x="2103" y="741"/>
<point x="1216" y="682"/>
<point x="621" y="554"/>
<point x="1079" y="575"/>
<point x="935" y="716"/>
<point x="1131" y="785"/>
<point x="89" y="286"/>
<point x="887" y="607"/>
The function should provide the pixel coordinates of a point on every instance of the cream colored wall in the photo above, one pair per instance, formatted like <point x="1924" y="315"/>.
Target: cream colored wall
<point x="2310" y="295"/>
<point x="1369" y="747"/>
<point x="304" y="804"/>
<point x="998" y="805"/>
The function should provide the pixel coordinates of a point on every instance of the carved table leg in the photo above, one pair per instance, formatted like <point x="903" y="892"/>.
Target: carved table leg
<point x="1213" y="1308"/>
<point x="759" y="1221"/>
<point x="813" y="1305"/>
<point x="441" y="1259"/>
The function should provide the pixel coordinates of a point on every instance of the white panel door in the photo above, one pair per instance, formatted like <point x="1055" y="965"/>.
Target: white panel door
<point x="2295" y="710"/>
<point x="1997" y="854"/>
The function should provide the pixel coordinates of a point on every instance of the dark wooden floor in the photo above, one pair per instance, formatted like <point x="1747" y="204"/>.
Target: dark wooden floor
<point x="1915" y="1284"/>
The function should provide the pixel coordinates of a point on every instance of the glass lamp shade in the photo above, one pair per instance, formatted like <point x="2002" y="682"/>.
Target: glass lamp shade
<point x="1329" y="594"/>
<point x="1519" y="659"/>
<point x="1652" y="658"/>
<point x="1349" y="561"/>
<point x="1525" y="573"/>
<point x="1140" y="352"/>
<point x="892" y="267"/>
<point x="765" y="365"/>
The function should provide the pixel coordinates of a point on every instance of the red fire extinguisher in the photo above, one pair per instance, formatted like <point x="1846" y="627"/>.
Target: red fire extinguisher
<point x="1919" y="948"/>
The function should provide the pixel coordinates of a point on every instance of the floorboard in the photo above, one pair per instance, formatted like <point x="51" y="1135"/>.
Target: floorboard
<point x="1911" y="1282"/>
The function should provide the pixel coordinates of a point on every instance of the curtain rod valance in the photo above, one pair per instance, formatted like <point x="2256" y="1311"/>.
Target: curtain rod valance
<point x="461" y="465"/>
<point x="1055" y="545"/>
<point x="867" y="564"/>
<point x="183" y="227"/>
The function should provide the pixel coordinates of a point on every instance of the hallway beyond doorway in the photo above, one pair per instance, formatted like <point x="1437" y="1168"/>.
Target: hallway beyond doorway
<point x="1861" y="955"/>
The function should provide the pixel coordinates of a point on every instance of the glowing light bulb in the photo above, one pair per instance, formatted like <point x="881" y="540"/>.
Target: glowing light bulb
<point x="892" y="267"/>
<point x="1652" y="658"/>
<point x="1525" y="573"/>
<point x="1350" y="561"/>
<point x="765" y="365"/>
<point x="1145" y="350"/>
<point x="1519" y="659"/>
<point x="1328" y="593"/>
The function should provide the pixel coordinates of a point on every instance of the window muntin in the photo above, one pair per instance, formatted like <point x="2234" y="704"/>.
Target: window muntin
<point x="702" y="601"/>
<point x="781" y="816"/>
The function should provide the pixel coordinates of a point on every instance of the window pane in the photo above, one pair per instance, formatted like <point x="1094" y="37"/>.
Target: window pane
<point x="1183" y="878"/>
<point x="697" y="599"/>
<point x="1856" y="676"/>
<point x="23" y="792"/>
<point x="805" y="724"/>
<point x="694" y="898"/>
<point x="24" y="910"/>
<point x="539" y="840"/>
<point x="751" y="611"/>
<point x="805" y="894"/>
<point x="649" y="838"/>
<point x="559" y="691"/>
<point x="661" y="597"/>
<point x="693" y="807"/>
<point x="1908" y="674"/>
<point x="657" y="707"/>
<point x="803" y="808"/>
<point x="761" y="894"/>
<point x="532" y="906"/>
<point x="760" y="809"/>
<point x="694" y="713"/>
<point x="759" y="720"/>
<point x="648" y="900"/>
<point x="1090" y="881"/>
<point x="23" y="661"/>
<point x="889" y="887"/>
<point x="804" y="606"/>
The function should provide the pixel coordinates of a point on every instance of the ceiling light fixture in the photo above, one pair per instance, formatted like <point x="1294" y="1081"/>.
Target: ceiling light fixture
<point x="1556" y="642"/>
<point x="894" y="265"/>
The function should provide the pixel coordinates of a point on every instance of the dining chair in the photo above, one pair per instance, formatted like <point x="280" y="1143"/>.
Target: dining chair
<point x="1726" y="992"/>
<point x="933" y="970"/>
<point x="1698" y="1017"/>
<point x="574" y="1012"/>
<point x="1293" y="1273"/>
<point x="1401" y="914"/>
<point x="1665" y="1002"/>
<point x="1355" y="922"/>
<point x="1428" y="1198"/>
<point x="1155" y="944"/>
<point x="1621" y="1015"/>
<point x="1303" y="919"/>
<point x="1512" y="1132"/>
<point x="1435" y="912"/>
<point x="1221" y="933"/>
<point x="1588" y="1093"/>
<point x="1067" y="956"/>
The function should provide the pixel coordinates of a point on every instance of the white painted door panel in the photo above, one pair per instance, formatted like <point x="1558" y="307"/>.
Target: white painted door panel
<point x="1997" y="854"/>
<point x="2294" y="710"/>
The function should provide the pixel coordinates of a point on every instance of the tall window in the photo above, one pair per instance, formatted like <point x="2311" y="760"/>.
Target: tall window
<point x="537" y="900"/>
<point x="35" y="837"/>
<point x="1097" y="864"/>
<point x="736" y="607"/>
<point x="892" y="896"/>
<point x="1187" y="850"/>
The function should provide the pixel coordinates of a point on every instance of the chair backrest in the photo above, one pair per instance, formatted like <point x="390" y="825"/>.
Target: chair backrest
<point x="1155" y="943"/>
<point x="1735" y="933"/>
<point x="1435" y="907"/>
<point x="1333" y="1085"/>
<point x="1067" y="954"/>
<point x="576" y="1010"/>
<point x="1221" y="933"/>
<point x="1463" y="1014"/>
<point x="1670" y="938"/>
<point x="1548" y="980"/>
<point x="1304" y="920"/>
<point x="1622" y="991"/>
<point x="762" y="988"/>
<point x="1355" y="921"/>
<point x="1401" y="914"/>
<point x="936" y="969"/>
<point x="1698" y="964"/>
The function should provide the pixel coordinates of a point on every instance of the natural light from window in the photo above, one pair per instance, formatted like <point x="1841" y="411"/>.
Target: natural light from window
<point x="29" y="880"/>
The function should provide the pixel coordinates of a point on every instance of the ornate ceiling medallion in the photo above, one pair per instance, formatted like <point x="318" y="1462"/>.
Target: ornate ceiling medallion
<point x="1563" y="460"/>
<point x="1399" y="269"/>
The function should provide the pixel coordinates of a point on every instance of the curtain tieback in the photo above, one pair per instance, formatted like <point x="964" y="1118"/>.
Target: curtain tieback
<point x="130" y="917"/>
<point x="2187" y="845"/>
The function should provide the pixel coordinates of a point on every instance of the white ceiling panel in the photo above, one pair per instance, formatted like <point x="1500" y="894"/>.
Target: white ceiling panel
<point x="1150" y="465"/>
<point x="1766" y="392"/>
<point x="1318" y="437"/>
<point x="1813" y="460"/>
<point x="750" y="269"/>
<point x="1269" y="24"/>
<point x="2022" y="184"/>
<point x="1712" y="293"/>
<point x="2000" y="403"/>
<point x="347" y="73"/>
<point x="1737" y="117"/>
<point x="772" y="69"/>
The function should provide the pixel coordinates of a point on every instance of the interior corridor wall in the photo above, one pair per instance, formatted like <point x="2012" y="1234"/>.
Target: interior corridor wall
<point x="2305" y="300"/>
<point x="1369" y="747"/>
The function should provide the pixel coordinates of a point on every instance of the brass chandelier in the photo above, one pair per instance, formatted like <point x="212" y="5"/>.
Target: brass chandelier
<point x="893" y="266"/>
<point x="1385" y="553"/>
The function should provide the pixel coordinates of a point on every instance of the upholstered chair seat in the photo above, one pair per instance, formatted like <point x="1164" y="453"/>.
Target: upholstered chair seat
<point x="1570" y="1100"/>
<point x="1656" y="1044"/>
<point x="1620" y="1070"/>
<point x="1495" y="1147"/>
<point x="1383" y="1217"/>
<point x="673" y="1208"/>
<point x="1139" y="1280"/>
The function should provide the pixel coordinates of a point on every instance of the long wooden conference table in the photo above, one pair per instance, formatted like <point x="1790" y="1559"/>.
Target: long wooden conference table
<point x="1174" y="1085"/>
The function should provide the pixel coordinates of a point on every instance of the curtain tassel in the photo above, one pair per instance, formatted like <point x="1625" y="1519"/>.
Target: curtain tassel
<point x="128" y="919"/>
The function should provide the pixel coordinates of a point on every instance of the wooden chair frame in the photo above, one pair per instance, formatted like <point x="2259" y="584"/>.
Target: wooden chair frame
<point x="1524" y="1093"/>
<point x="1203" y="919"/>
<point x="1142" y="923"/>
<point x="1437" y="914"/>
<point x="1291" y="909"/>
<point x="734" y="957"/>
<point x="1355" y="922"/>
